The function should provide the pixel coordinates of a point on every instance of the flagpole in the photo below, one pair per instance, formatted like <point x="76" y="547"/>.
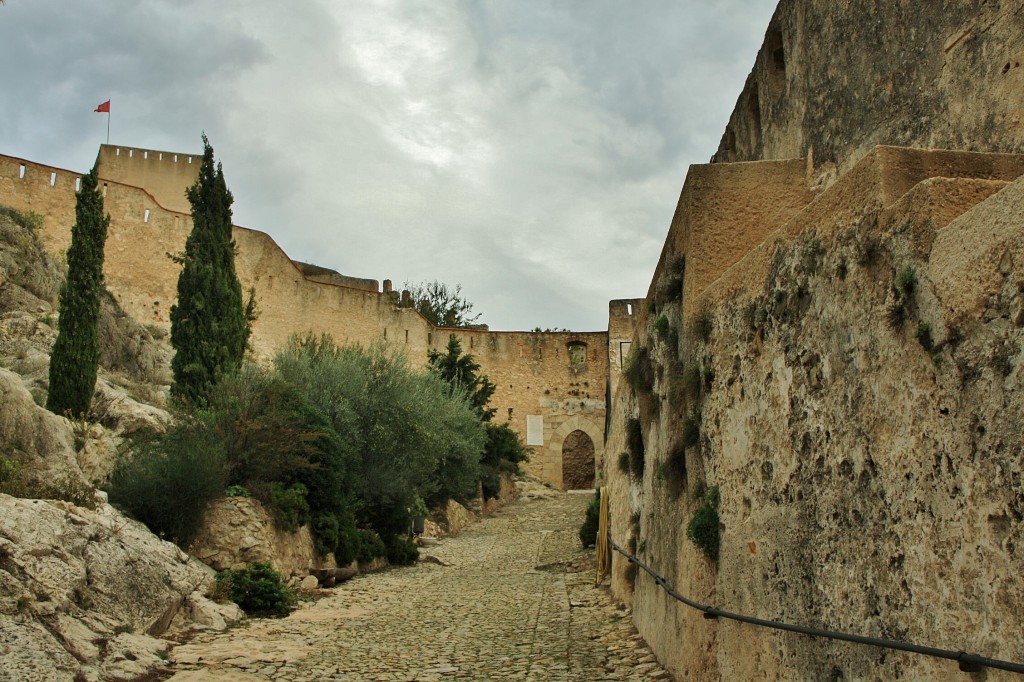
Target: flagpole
<point x="108" y="126"/>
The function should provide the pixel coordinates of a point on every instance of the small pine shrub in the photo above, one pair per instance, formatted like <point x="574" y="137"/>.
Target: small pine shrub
<point x="401" y="551"/>
<point x="591" y="522"/>
<point x="327" y="537"/>
<point x="237" y="491"/>
<point x="370" y="545"/>
<point x="258" y="590"/>
<point x="635" y="445"/>
<point x="289" y="506"/>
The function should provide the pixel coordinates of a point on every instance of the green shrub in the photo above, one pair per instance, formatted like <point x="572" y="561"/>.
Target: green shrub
<point x="624" y="462"/>
<point x="327" y="537"/>
<point x="635" y="446"/>
<point x="661" y="327"/>
<point x="691" y="431"/>
<point x="703" y="528"/>
<point x="258" y="590"/>
<point x="702" y="326"/>
<point x="237" y="491"/>
<point x="289" y="506"/>
<point x="906" y="281"/>
<point x="401" y="551"/>
<point x="168" y="481"/>
<point x="370" y="545"/>
<point x="591" y="521"/>
<point x="675" y="470"/>
<point x="503" y="451"/>
<point x="924" y="335"/>
<point x="691" y="382"/>
<point x="638" y="370"/>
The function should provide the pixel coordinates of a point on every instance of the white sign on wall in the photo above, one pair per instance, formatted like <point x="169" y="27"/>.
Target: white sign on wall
<point x="535" y="429"/>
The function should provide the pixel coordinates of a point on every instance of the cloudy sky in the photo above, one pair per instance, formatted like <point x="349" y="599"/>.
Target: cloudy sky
<point x="530" y="150"/>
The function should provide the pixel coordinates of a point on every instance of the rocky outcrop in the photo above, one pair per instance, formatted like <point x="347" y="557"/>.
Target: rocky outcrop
<point x="85" y="593"/>
<point x="238" y="531"/>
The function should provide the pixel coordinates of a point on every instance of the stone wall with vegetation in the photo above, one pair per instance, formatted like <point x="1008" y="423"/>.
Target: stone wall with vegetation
<point x="844" y="402"/>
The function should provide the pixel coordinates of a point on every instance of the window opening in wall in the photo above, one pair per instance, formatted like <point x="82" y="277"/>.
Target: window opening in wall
<point x="430" y="338"/>
<point x="510" y="414"/>
<point x="175" y="158"/>
<point x="104" y="189"/>
<point x="407" y="336"/>
<point x="471" y="340"/>
<point x="145" y="216"/>
<point x="53" y="179"/>
<point x="145" y="155"/>
<point x="131" y="153"/>
<point x="629" y="308"/>
<point x="577" y="354"/>
<point x="78" y="184"/>
<point x="160" y="156"/>
<point x="117" y="152"/>
<point x="21" y="172"/>
<point x="190" y="159"/>
<point x="385" y="332"/>
<point x="624" y="347"/>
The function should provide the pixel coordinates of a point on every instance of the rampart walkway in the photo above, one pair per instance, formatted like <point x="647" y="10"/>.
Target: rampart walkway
<point x="516" y="600"/>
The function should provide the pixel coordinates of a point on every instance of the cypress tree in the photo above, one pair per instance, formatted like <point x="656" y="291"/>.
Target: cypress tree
<point x="209" y="325"/>
<point x="76" y="352"/>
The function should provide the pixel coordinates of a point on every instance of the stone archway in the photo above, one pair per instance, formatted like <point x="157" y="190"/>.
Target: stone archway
<point x="578" y="461"/>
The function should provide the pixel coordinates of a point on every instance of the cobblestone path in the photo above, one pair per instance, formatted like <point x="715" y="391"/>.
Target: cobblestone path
<point x="514" y="599"/>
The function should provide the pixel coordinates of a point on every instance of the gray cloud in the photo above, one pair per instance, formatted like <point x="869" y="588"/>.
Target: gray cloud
<point x="532" y="152"/>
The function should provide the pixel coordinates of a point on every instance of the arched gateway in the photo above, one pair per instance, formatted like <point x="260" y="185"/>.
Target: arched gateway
<point x="578" y="461"/>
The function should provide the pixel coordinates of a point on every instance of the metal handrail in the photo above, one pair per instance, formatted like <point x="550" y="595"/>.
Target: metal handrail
<point x="967" y="662"/>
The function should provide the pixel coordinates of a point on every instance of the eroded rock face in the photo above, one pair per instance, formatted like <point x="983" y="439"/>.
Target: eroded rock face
<point x="238" y="531"/>
<point x="86" y="592"/>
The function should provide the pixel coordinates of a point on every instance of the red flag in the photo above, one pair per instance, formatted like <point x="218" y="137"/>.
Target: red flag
<point x="104" y="108"/>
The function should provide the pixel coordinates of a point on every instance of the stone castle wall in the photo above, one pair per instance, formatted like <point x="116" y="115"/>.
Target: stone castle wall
<point x="834" y="79"/>
<point x="538" y="375"/>
<point x="869" y="472"/>
<point x="870" y="479"/>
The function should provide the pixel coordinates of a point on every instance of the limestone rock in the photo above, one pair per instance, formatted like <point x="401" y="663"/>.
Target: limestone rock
<point x="452" y="518"/>
<point x="86" y="592"/>
<point x="238" y="531"/>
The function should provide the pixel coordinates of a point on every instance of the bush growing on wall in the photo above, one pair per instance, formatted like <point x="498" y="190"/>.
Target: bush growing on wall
<point x="635" y="446"/>
<point x="703" y="528"/>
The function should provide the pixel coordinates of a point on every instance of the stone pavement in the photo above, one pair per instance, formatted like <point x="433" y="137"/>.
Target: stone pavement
<point x="512" y="598"/>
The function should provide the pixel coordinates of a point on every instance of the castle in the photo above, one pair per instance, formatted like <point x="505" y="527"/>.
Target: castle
<point x="832" y="338"/>
<point x="552" y="387"/>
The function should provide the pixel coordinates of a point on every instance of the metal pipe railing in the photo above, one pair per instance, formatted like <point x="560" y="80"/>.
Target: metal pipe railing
<point x="967" y="662"/>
